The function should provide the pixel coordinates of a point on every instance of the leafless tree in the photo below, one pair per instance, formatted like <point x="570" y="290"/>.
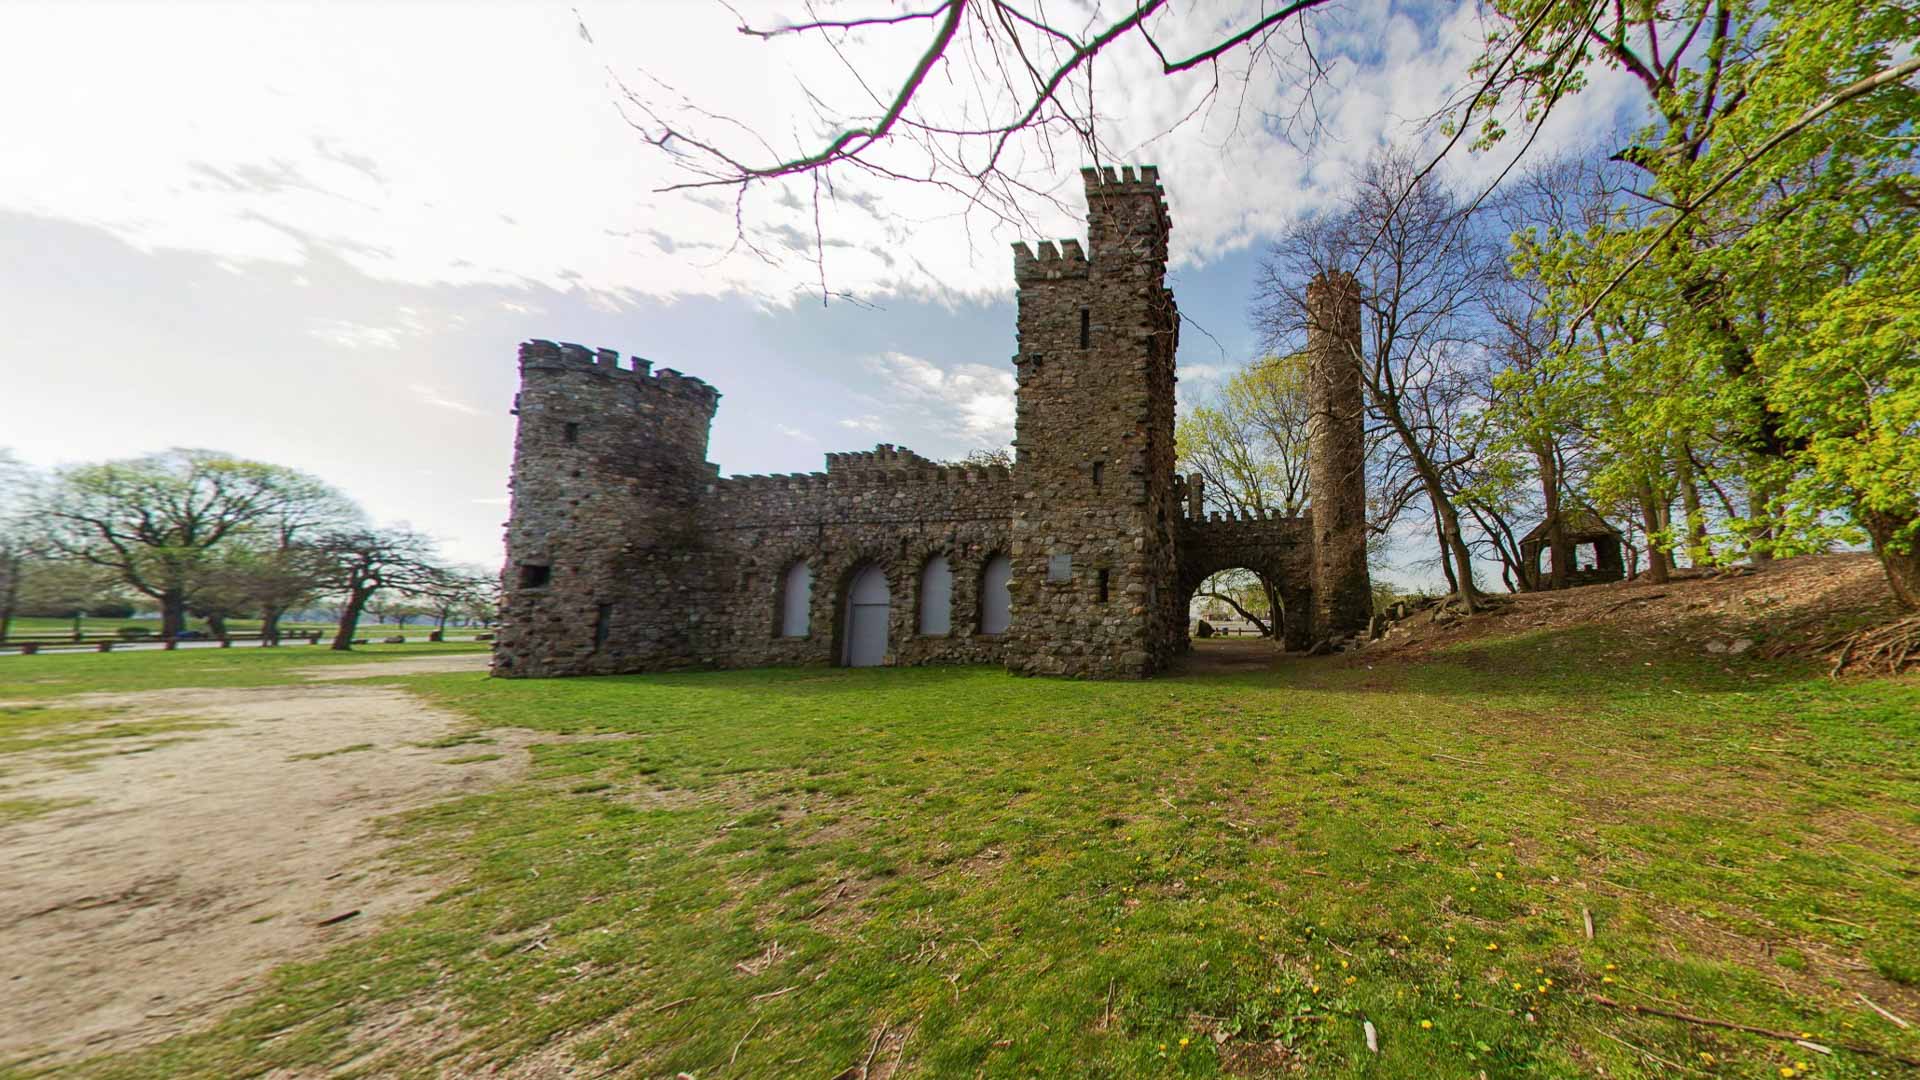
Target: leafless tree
<point x="1000" y="93"/>
<point x="1423" y="265"/>
<point x="367" y="562"/>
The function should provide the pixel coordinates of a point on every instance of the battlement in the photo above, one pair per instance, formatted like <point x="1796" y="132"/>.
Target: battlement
<point x="1104" y="181"/>
<point x="1069" y="260"/>
<point x="926" y="473"/>
<point x="541" y="355"/>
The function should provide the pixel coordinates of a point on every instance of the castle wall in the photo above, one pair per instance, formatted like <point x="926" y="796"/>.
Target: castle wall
<point x="627" y="551"/>
<point x="889" y="508"/>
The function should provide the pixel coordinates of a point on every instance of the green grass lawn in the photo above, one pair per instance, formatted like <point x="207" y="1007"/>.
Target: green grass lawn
<point x="54" y="675"/>
<point x="788" y="873"/>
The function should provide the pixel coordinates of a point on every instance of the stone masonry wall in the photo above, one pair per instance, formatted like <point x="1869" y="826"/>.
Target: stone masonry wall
<point x="1092" y="533"/>
<point x="887" y="507"/>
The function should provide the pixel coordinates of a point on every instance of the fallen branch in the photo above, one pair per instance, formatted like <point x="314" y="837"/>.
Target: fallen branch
<point x="1881" y="1011"/>
<point x="1728" y="1025"/>
<point x="672" y="1004"/>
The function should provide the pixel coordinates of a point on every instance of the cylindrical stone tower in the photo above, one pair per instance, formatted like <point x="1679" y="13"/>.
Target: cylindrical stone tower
<point x="1337" y="457"/>
<point x="603" y="560"/>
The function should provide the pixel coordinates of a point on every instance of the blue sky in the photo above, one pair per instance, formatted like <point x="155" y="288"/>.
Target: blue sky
<point x="314" y="234"/>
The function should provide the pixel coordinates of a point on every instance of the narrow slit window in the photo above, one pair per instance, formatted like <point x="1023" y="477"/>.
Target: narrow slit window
<point x="602" y="624"/>
<point x="1086" y="327"/>
<point x="1100" y="586"/>
<point x="1099" y="472"/>
<point x="571" y="432"/>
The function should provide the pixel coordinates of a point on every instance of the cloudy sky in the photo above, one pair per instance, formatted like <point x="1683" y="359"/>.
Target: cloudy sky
<point x="313" y="234"/>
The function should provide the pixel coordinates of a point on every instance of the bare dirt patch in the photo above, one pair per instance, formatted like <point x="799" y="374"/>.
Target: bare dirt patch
<point x="170" y="878"/>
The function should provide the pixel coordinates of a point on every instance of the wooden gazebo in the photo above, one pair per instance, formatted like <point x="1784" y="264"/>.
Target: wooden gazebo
<point x="1596" y="550"/>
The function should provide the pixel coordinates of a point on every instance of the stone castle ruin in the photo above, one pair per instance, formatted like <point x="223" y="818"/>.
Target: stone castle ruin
<point x="627" y="551"/>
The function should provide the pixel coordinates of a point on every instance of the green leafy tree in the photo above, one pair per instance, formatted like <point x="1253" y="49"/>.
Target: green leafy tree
<point x="164" y="522"/>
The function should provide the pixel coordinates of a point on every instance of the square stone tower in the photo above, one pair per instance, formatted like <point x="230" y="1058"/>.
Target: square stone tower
<point x="1094" y="562"/>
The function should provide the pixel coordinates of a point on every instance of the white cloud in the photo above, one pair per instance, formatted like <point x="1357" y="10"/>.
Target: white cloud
<point x="427" y="395"/>
<point x="867" y="423"/>
<point x="351" y="335"/>
<point x="422" y="147"/>
<point x="971" y="400"/>
<point x="794" y="433"/>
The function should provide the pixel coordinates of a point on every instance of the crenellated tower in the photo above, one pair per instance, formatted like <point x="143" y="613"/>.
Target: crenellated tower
<point x="609" y="467"/>
<point x="1093" y="533"/>
<point x="1337" y="457"/>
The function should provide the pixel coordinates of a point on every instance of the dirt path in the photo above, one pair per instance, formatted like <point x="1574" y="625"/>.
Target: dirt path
<point x="194" y="866"/>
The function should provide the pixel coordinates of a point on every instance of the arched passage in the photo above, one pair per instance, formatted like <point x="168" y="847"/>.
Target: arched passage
<point x="869" y="606"/>
<point x="1273" y="551"/>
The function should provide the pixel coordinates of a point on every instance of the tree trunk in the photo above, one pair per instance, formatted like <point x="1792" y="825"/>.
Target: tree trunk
<point x="350" y="619"/>
<point x="270" y="625"/>
<point x="1902" y="567"/>
<point x="1653" y="520"/>
<point x="1760" y="546"/>
<point x="173" y="613"/>
<point x="1560" y="552"/>
<point x="1244" y="613"/>
<point x="216" y="624"/>
<point x="1446" y="558"/>
<point x="9" y="593"/>
<point x="1698" y="553"/>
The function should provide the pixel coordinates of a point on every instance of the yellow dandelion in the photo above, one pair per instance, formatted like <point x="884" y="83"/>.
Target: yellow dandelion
<point x="1493" y="946"/>
<point x="1316" y="989"/>
<point x="1426" y="1024"/>
<point x="1784" y="1071"/>
<point x="1609" y="967"/>
<point x="1499" y="875"/>
<point x="1183" y="1041"/>
<point x="1706" y="1057"/>
<point x="1606" y="978"/>
<point x="1473" y="888"/>
<point x="1163" y="1048"/>
<point x="1351" y="980"/>
<point x="1343" y="963"/>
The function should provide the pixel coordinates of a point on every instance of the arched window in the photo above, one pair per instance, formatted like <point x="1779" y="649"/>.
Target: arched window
<point x="996" y="599"/>
<point x="796" y="597"/>
<point x="936" y="597"/>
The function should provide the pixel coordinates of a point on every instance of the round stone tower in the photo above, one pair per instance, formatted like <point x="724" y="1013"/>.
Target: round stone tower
<point x="609" y="467"/>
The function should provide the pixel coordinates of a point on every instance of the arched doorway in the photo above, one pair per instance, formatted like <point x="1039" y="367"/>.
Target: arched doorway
<point x="868" y="612"/>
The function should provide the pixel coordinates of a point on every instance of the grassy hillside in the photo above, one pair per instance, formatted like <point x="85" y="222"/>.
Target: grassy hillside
<point x="953" y="872"/>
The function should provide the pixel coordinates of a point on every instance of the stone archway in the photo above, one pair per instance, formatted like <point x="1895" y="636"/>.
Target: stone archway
<point x="1277" y="550"/>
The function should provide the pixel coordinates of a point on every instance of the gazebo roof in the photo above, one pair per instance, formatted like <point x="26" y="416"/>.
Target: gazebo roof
<point x="1582" y="526"/>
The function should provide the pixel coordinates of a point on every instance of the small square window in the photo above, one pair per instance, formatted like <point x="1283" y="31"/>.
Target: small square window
<point x="571" y="432"/>
<point x="535" y="575"/>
